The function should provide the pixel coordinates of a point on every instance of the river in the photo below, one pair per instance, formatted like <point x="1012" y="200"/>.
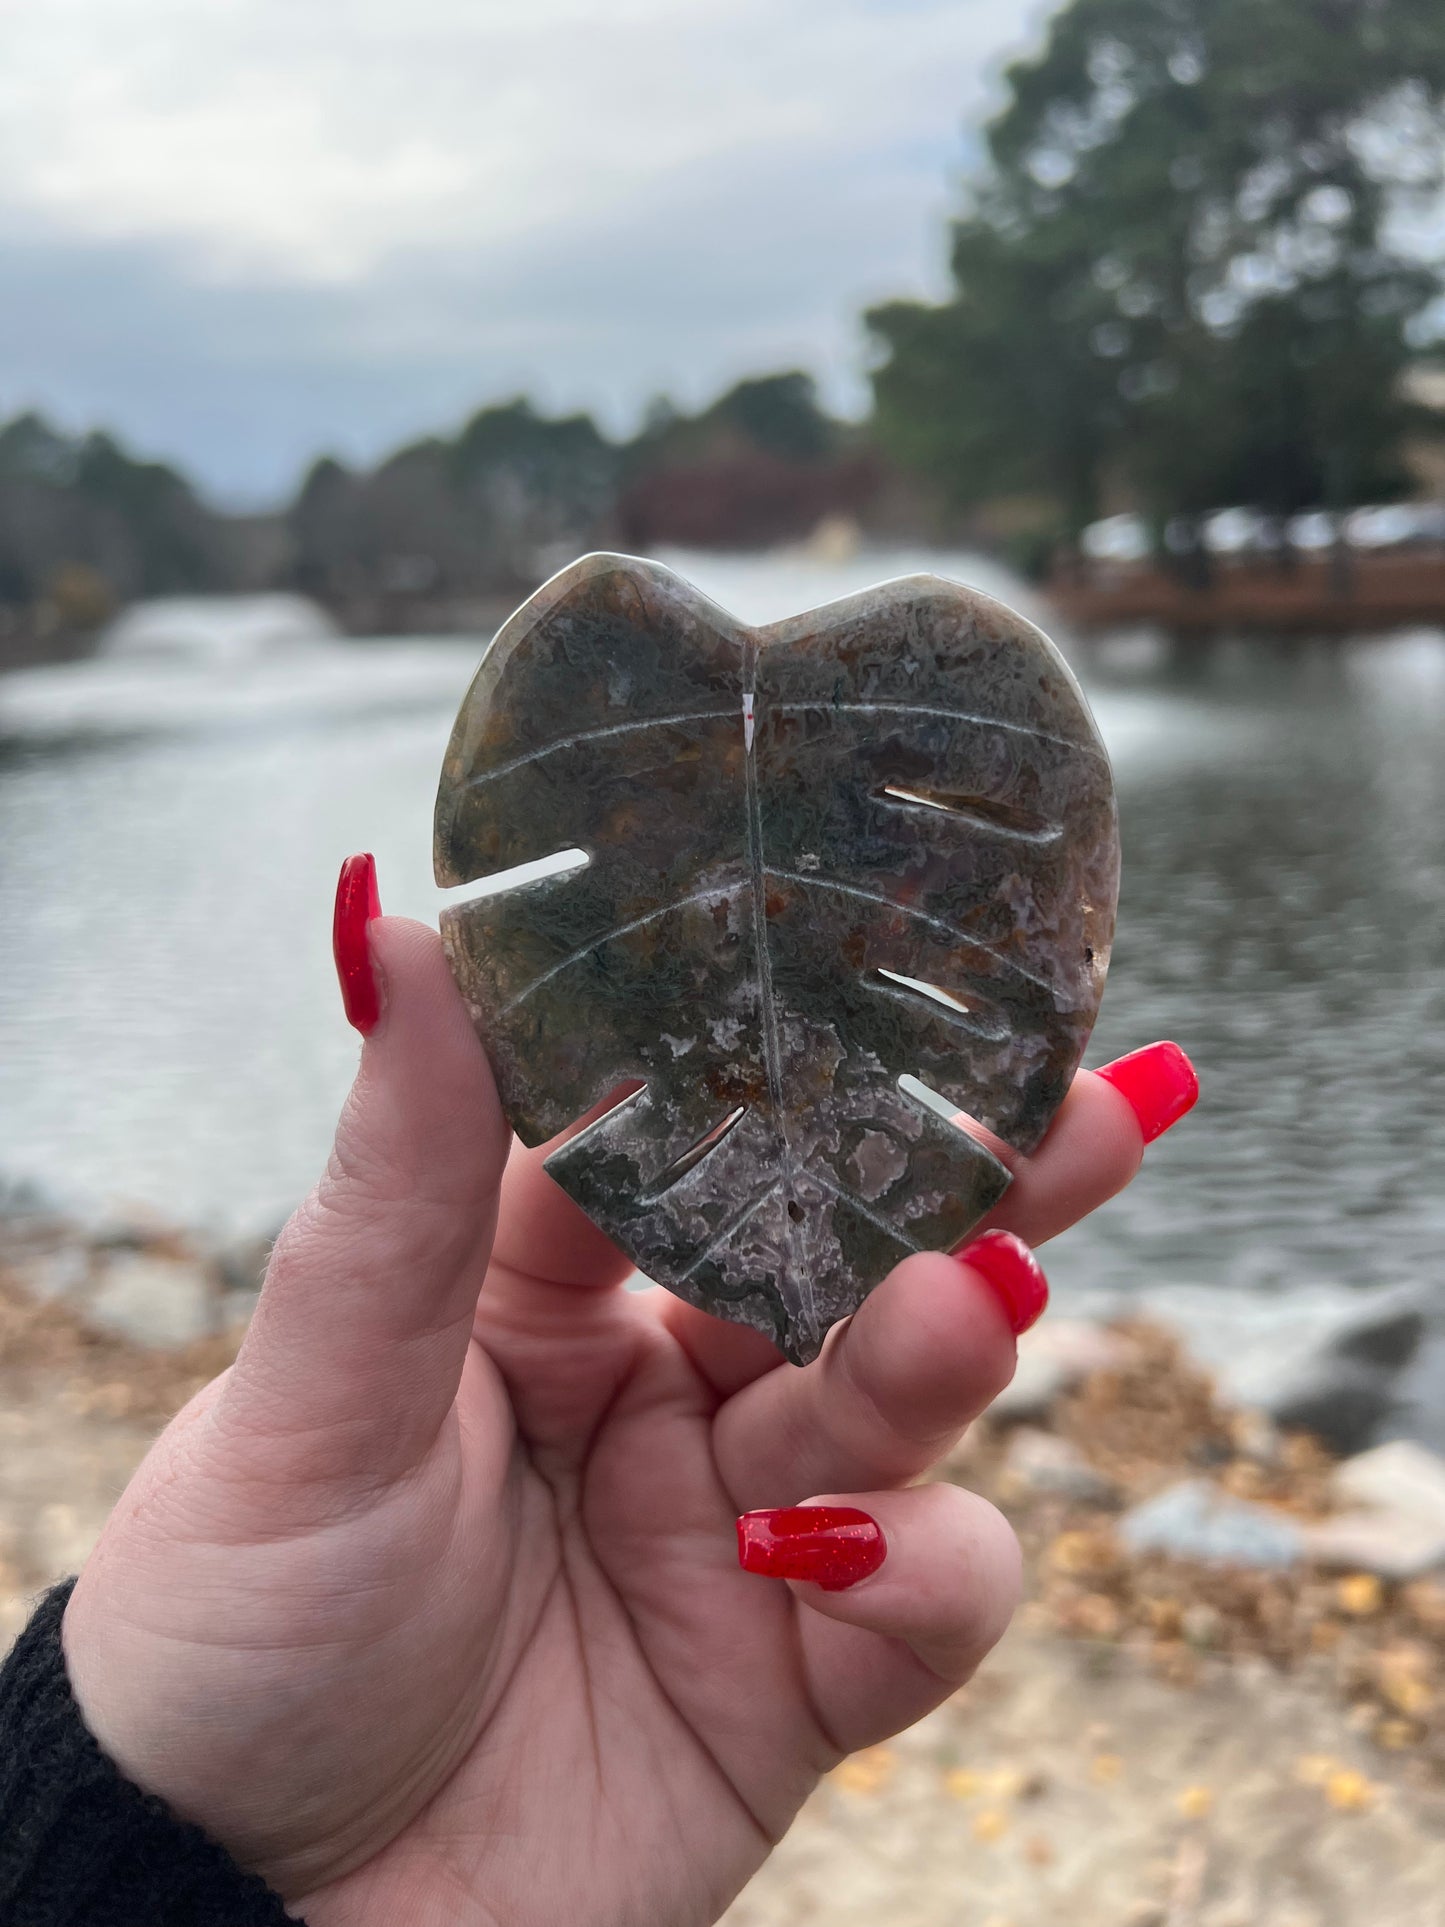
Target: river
<point x="171" y="1037"/>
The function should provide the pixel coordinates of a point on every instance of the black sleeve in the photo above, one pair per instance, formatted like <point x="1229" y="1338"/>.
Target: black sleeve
<point x="80" y="1846"/>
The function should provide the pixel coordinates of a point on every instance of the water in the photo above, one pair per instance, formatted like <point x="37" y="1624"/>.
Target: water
<point x="171" y="1037"/>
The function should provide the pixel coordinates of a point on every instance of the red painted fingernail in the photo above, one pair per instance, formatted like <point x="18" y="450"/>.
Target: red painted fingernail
<point x="1158" y="1083"/>
<point x="356" y="904"/>
<point x="834" y="1546"/>
<point x="1015" y="1275"/>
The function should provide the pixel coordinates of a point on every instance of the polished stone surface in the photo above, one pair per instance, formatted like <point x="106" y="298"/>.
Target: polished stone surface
<point x="874" y="841"/>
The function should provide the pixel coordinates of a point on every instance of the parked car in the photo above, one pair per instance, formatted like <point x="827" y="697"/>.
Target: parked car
<point x="1118" y="538"/>
<point x="1395" y="525"/>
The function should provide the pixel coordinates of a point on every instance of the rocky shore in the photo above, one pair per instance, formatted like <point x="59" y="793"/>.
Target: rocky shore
<point x="1224" y="1699"/>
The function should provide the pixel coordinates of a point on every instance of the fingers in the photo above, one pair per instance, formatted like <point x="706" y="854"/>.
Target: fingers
<point x="901" y="1621"/>
<point x="542" y="1234"/>
<point x="1096" y="1142"/>
<point x="1092" y="1150"/>
<point x="361" y="1332"/>
<point x="726" y="1355"/>
<point x="894" y="1386"/>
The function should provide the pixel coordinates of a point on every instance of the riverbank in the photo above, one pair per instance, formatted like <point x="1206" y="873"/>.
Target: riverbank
<point x="1223" y="1703"/>
<point x="1309" y="597"/>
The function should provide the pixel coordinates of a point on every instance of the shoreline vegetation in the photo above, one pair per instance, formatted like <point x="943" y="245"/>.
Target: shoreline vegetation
<point x="1232" y="1641"/>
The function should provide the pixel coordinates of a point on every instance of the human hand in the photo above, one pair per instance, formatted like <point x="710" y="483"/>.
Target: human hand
<point x="430" y="1608"/>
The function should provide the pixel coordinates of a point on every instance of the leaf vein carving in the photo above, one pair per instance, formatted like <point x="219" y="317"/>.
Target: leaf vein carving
<point x="944" y="929"/>
<point x="885" y="705"/>
<point x="726" y="1231"/>
<point x="621" y="930"/>
<point x="880" y="1223"/>
<point x="600" y="734"/>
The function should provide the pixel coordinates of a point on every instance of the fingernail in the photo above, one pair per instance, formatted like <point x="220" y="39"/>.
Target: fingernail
<point x="356" y="904"/>
<point x="833" y="1546"/>
<point x="1158" y="1083"/>
<point x="1013" y="1273"/>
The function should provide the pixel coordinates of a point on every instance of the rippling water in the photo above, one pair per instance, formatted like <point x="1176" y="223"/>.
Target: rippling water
<point x="170" y="1033"/>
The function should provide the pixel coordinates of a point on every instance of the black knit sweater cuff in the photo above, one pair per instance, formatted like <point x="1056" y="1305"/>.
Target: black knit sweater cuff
<point x="80" y="1846"/>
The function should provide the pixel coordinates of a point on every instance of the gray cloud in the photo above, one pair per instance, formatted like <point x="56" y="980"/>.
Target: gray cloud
<point x="747" y="243"/>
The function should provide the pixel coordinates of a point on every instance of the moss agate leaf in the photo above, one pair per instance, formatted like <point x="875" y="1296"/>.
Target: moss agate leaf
<point x="874" y="841"/>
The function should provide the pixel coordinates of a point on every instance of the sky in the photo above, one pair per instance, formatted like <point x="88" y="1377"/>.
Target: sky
<point x="243" y="232"/>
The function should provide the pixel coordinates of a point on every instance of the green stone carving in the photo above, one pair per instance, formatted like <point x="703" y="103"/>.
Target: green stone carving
<point x="874" y="841"/>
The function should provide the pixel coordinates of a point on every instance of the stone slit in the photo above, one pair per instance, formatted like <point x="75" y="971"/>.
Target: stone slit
<point x="980" y="812"/>
<point x="975" y="1014"/>
<point x="694" y="1154"/>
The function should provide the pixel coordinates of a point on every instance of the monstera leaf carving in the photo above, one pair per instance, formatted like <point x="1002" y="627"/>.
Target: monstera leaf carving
<point x="871" y="842"/>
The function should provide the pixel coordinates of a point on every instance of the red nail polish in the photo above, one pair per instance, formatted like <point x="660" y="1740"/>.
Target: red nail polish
<point x="1015" y="1275"/>
<point x="834" y="1546"/>
<point x="357" y="903"/>
<point x="1158" y="1083"/>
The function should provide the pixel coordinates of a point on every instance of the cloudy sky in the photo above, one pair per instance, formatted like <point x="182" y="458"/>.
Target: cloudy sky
<point x="242" y="231"/>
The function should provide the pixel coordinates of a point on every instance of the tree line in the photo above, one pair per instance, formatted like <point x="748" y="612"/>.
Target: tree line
<point x="445" y="521"/>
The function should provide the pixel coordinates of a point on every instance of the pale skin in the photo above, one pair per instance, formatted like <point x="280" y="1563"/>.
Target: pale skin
<point x="429" y="1609"/>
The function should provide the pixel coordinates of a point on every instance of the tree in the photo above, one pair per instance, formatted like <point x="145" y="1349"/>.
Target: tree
<point x="999" y="390"/>
<point x="1219" y="190"/>
<point x="778" y="414"/>
<point x="72" y="503"/>
<point x="763" y="463"/>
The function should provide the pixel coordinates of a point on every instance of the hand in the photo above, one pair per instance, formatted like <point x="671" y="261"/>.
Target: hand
<point x="430" y="1608"/>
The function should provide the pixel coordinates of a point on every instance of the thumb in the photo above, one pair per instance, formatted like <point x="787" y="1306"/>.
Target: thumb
<point x="360" y="1336"/>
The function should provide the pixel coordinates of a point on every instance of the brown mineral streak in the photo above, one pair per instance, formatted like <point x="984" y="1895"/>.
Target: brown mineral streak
<point x="794" y="834"/>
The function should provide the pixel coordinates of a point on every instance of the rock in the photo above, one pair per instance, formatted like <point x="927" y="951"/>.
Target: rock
<point x="1321" y="1359"/>
<point x="1397" y="1526"/>
<point x="242" y="1261"/>
<point x="817" y="903"/>
<point x="1399" y="1477"/>
<point x="1387" y="1334"/>
<point x="1420" y="1403"/>
<point x="1042" y="1462"/>
<point x="1342" y="1408"/>
<point x="64" y="1272"/>
<point x="1393" y="1545"/>
<point x="1052" y="1359"/>
<point x="157" y="1301"/>
<point x="1254" y="1435"/>
<point x="1196" y="1520"/>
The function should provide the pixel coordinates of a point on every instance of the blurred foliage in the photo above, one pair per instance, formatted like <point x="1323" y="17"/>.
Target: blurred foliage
<point x="763" y="463"/>
<point x="777" y="415"/>
<point x="78" y="509"/>
<point x="447" y="517"/>
<point x="435" y="530"/>
<point x="1183" y="272"/>
<point x="517" y="492"/>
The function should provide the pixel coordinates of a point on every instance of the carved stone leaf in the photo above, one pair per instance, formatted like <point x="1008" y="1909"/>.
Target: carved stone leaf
<point x="876" y="840"/>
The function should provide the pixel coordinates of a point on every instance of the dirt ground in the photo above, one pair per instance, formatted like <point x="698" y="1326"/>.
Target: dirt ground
<point x="1075" y="1782"/>
<point x="1069" y="1788"/>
